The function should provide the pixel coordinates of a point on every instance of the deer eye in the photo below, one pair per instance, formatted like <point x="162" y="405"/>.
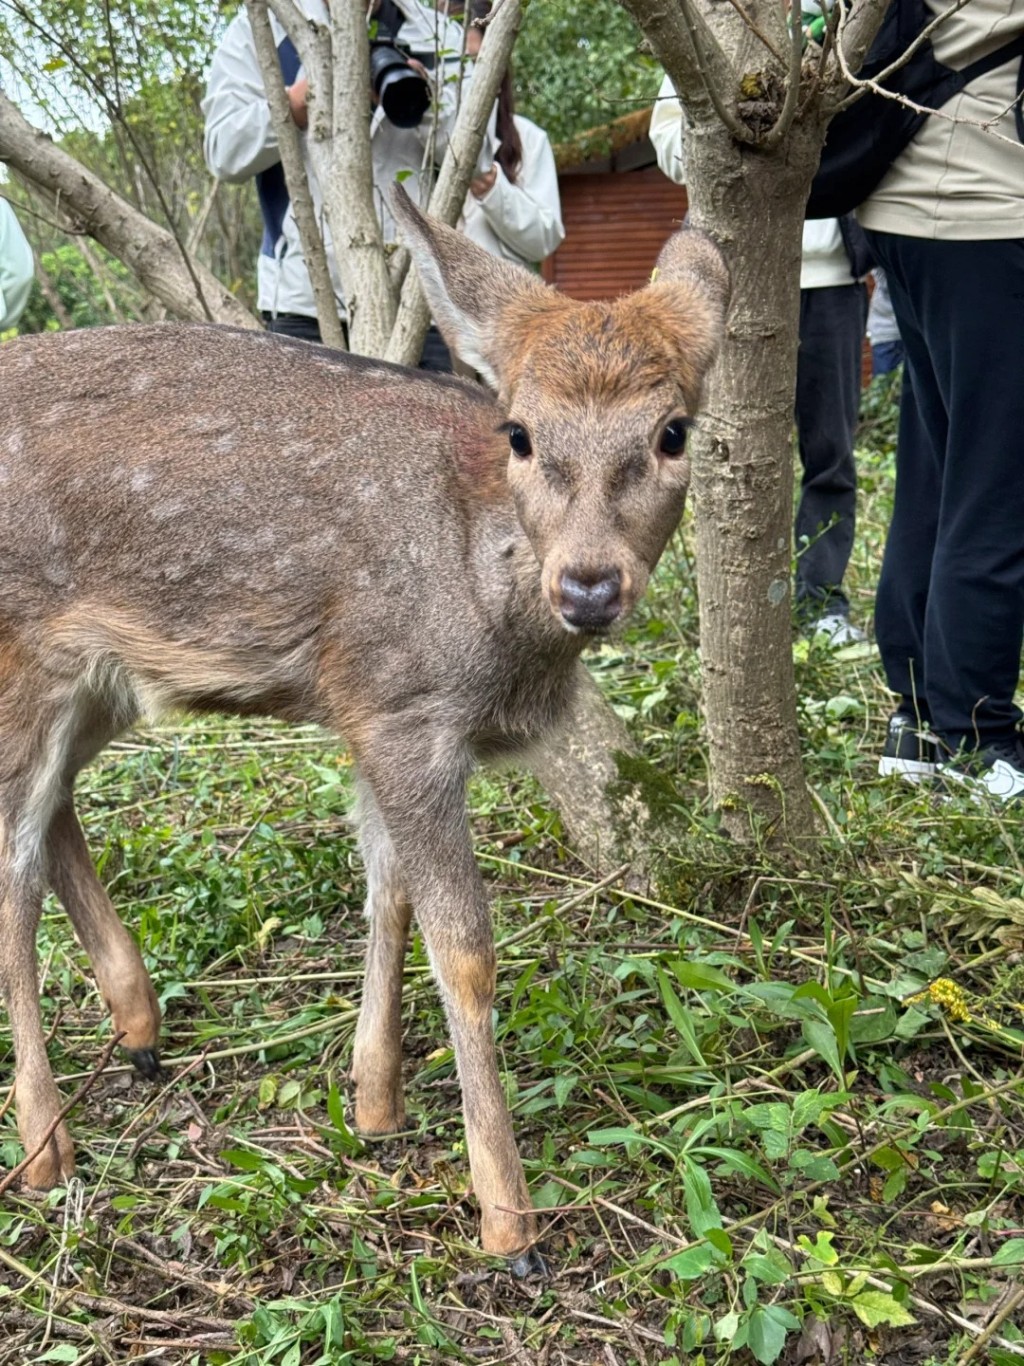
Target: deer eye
<point x="519" y="441"/>
<point x="673" y="438"/>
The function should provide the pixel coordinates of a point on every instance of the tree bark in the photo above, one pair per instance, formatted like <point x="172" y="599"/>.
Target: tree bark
<point x="606" y="823"/>
<point x="148" y="250"/>
<point x="743" y="491"/>
<point x="755" y="134"/>
<point x="742" y="453"/>
<point x="290" y="147"/>
<point x="457" y="169"/>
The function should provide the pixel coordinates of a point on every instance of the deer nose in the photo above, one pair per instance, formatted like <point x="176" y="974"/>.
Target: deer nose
<point x="590" y="600"/>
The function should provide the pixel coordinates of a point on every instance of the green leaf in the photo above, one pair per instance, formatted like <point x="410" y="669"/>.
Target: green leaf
<point x="680" y="1017"/>
<point x="701" y="1209"/>
<point x="726" y="1327"/>
<point x="692" y="1262"/>
<point x="769" y="1267"/>
<point x="736" y="1161"/>
<point x="721" y="1242"/>
<point x="821" y="1249"/>
<point x="910" y="1023"/>
<point x="244" y="1161"/>
<point x="767" y="1330"/>
<point x="564" y="1083"/>
<point x="873" y="1307"/>
<point x="820" y="1036"/>
<point x="701" y="976"/>
<point x="1010" y="1254"/>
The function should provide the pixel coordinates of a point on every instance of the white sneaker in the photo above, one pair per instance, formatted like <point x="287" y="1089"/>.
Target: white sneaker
<point x="835" y="630"/>
<point x="995" y="772"/>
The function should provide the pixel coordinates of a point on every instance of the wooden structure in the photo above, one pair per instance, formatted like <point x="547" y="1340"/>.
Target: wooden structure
<point x="617" y="207"/>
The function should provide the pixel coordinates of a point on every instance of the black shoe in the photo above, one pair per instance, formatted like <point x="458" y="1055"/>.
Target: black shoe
<point x="911" y="751"/>
<point x="994" y="772"/>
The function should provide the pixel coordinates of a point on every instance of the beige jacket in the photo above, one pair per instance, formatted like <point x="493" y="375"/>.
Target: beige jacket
<point x="956" y="181"/>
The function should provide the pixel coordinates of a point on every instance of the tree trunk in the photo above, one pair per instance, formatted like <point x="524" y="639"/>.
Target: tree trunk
<point x="743" y="490"/>
<point x="187" y="288"/>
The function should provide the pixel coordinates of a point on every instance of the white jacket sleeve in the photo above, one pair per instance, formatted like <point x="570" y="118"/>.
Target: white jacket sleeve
<point x="239" y="139"/>
<point x="17" y="268"/>
<point x="527" y="216"/>
<point x="667" y="133"/>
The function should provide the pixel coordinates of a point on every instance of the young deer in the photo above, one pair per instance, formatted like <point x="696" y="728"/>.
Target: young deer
<point x="203" y="518"/>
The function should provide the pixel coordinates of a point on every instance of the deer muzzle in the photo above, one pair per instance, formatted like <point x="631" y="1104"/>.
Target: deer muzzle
<point x="590" y="600"/>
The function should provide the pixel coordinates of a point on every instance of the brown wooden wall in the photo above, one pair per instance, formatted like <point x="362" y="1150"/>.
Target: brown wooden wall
<point x="615" y="225"/>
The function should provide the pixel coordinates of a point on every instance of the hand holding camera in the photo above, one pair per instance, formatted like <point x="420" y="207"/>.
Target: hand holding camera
<point x="398" y="82"/>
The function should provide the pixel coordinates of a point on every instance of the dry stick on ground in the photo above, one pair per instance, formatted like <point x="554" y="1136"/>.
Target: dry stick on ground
<point x="925" y="1306"/>
<point x="63" y="1113"/>
<point x="289" y="146"/>
<point x="1012" y="1302"/>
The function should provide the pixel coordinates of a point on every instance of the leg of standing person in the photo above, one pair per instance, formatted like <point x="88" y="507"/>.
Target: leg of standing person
<point x="954" y="619"/>
<point x="832" y="323"/>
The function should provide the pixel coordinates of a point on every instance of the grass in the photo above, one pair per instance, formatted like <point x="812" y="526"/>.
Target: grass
<point x="771" y="1113"/>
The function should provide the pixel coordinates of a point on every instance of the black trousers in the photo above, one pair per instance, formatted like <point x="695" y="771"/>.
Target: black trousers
<point x="435" y="355"/>
<point x="949" y="615"/>
<point x="832" y="322"/>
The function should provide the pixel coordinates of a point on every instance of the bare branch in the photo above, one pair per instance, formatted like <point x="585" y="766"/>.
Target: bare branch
<point x="857" y="31"/>
<point x="758" y="33"/>
<point x="295" y="176"/>
<point x="691" y="54"/>
<point x="343" y="161"/>
<point x="780" y="128"/>
<point x="150" y="251"/>
<point x="304" y="33"/>
<point x="458" y="167"/>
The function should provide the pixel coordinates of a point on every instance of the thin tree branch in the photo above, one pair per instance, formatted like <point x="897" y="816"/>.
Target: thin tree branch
<point x="63" y="1113"/>
<point x="457" y="168"/>
<point x="150" y="251"/>
<point x="115" y="113"/>
<point x="288" y="142"/>
<point x="780" y="128"/>
<point x="304" y="33"/>
<point x="691" y="54"/>
<point x="758" y="33"/>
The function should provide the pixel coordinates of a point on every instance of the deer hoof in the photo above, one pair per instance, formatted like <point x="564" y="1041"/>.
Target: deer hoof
<point x="146" y="1061"/>
<point x="54" y="1165"/>
<point x="528" y="1265"/>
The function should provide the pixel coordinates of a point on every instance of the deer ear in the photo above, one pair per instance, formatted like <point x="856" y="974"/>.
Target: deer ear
<point x="466" y="288"/>
<point x="692" y="257"/>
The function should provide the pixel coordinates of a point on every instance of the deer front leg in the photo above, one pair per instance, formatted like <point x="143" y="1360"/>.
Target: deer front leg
<point x="36" y="1096"/>
<point x="377" y="1053"/>
<point x="116" y="961"/>
<point x="421" y="797"/>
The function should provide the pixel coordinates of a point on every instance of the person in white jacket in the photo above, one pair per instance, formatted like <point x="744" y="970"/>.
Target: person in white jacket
<point x="17" y="268"/>
<point x="240" y="144"/>
<point x="514" y="209"/>
<point x="833" y="314"/>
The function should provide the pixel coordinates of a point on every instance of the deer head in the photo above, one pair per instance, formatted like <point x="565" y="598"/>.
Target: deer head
<point x="600" y="398"/>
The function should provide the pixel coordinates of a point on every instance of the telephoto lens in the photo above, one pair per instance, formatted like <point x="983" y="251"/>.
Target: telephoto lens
<point x="401" y="91"/>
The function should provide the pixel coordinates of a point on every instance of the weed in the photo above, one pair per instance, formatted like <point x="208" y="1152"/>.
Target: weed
<point x="772" y="1113"/>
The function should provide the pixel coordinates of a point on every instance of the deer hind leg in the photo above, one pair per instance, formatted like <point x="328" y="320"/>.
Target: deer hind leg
<point x="377" y="1053"/>
<point x="421" y="797"/>
<point x="38" y="1101"/>
<point x="32" y="752"/>
<point x="116" y="961"/>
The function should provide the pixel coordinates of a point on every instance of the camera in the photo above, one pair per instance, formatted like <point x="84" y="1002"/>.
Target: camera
<point x="401" y="90"/>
